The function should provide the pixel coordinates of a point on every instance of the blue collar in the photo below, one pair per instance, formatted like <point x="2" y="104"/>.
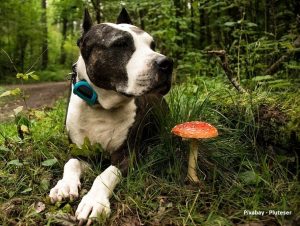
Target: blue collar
<point x="83" y="89"/>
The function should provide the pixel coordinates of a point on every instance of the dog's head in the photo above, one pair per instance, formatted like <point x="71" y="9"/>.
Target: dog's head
<point x="122" y="57"/>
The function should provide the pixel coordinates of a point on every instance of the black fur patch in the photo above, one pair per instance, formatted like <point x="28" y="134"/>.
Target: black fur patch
<point x="106" y="52"/>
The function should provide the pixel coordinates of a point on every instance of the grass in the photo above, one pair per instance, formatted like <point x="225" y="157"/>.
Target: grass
<point x="238" y="171"/>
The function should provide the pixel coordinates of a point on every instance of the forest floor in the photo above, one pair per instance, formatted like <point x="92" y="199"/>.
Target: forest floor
<point x="252" y="165"/>
<point x="38" y="95"/>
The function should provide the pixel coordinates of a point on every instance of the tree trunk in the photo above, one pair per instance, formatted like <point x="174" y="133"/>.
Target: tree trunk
<point x="273" y="14"/>
<point x="64" y="37"/>
<point x="45" y="34"/>
<point x="207" y="30"/>
<point x="178" y="15"/>
<point x="217" y="31"/>
<point x="204" y="36"/>
<point x="192" y="17"/>
<point x="97" y="8"/>
<point x="267" y="16"/>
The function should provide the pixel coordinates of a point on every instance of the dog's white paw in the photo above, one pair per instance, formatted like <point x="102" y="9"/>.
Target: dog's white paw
<point x="93" y="205"/>
<point x="65" y="188"/>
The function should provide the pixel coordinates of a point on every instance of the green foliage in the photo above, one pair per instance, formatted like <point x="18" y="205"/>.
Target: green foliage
<point x="238" y="171"/>
<point x="54" y="73"/>
<point x="87" y="150"/>
<point x="21" y="32"/>
<point x="248" y="31"/>
<point x="26" y="76"/>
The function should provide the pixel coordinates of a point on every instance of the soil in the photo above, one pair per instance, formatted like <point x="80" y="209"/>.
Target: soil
<point x="38" y="95"/>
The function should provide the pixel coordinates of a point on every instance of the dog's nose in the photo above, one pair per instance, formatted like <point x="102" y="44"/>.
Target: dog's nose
<point x="164" y="64"/>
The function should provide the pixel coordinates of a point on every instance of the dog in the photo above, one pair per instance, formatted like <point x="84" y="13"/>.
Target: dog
<point x="119" y="79"/>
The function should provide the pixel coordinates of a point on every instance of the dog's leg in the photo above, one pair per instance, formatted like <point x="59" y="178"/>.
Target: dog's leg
<point x="68" y="186"/>
<point x="96" y="201"/>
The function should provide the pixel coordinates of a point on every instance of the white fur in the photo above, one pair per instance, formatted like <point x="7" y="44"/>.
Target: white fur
<point x="96" y="201"/>
<point x="138" y="65"/>
<point x="68" y="186"/>
<point x="109" y="126"/>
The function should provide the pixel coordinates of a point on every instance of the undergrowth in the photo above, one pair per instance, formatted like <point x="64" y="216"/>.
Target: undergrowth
<point x="241" y="169"/>
<point x="53" y="73"/>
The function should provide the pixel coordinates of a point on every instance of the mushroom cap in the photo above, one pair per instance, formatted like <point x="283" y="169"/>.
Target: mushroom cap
<point x="195" y="129"/>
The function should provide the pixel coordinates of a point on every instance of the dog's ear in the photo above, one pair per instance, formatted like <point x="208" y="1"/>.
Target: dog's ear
<point x="87" y="21"/>
<point x="124" y="18"/>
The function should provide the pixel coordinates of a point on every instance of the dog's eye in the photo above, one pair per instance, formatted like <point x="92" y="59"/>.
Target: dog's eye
<point x="152" y="46"/>
<point x="120" y="43"/>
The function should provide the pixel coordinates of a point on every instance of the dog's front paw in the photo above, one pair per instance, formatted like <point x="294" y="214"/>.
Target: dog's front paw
<point x="91" y="206"/>
<point x="65" y="188"/>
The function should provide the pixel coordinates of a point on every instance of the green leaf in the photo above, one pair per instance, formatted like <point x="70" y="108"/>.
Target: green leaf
<point x="262" y="78"/>
<point x="195" y="4"/>
<point x="19" y="75"/>
<point x="44" y="184"/>
<point x="15" y="162"/>
<point x="67" y="208"/>
<point x="26" y="190"/>
<point x="35" y="77"/>
<point x="15" y="91"/>
<point x="25" y="77"/>
<point x="39" y="114"/>
<point x="22" y="76"/>
<point x="230" y="24"/>
<point x="293" y="66"/>
<point x="49" y="162"/>
<point x="6" y="93"/>
<point x="250" y="24"/>
<point x="24" y="129"/>
<point x="12" y="92"/>
<point x="88" y="150"/>
<point x="4" y="149"/>
<point x="30" y="73"/>
<point x="190" y="34"/>
<point x="286" y="84"/>
<point x="22" y="120"/>
<point x="249" y="177"/>
<point x="18" y="110"/>
<point x="11" y="194"/>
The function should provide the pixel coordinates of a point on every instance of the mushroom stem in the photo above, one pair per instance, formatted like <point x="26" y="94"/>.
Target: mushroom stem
<point x="193" y="155"/>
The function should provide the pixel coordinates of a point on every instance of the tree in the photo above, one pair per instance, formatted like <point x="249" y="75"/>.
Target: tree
<point x="45" y="34"/>
<point x="20" y="35"/>
<point x="97" y="8"/>
<point x="66" y="12"/>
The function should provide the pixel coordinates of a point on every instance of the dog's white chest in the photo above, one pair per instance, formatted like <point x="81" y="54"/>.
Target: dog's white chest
<point x="107" y="127"/>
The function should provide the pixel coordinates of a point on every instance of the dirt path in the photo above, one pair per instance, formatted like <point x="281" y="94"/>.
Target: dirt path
<point x="40" y="94"/>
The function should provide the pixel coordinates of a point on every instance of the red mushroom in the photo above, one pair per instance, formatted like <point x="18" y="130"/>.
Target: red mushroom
<point x="194" y="130"/>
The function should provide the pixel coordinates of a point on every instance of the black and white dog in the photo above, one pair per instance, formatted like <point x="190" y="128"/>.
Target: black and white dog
<point x="119" y="65"/>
